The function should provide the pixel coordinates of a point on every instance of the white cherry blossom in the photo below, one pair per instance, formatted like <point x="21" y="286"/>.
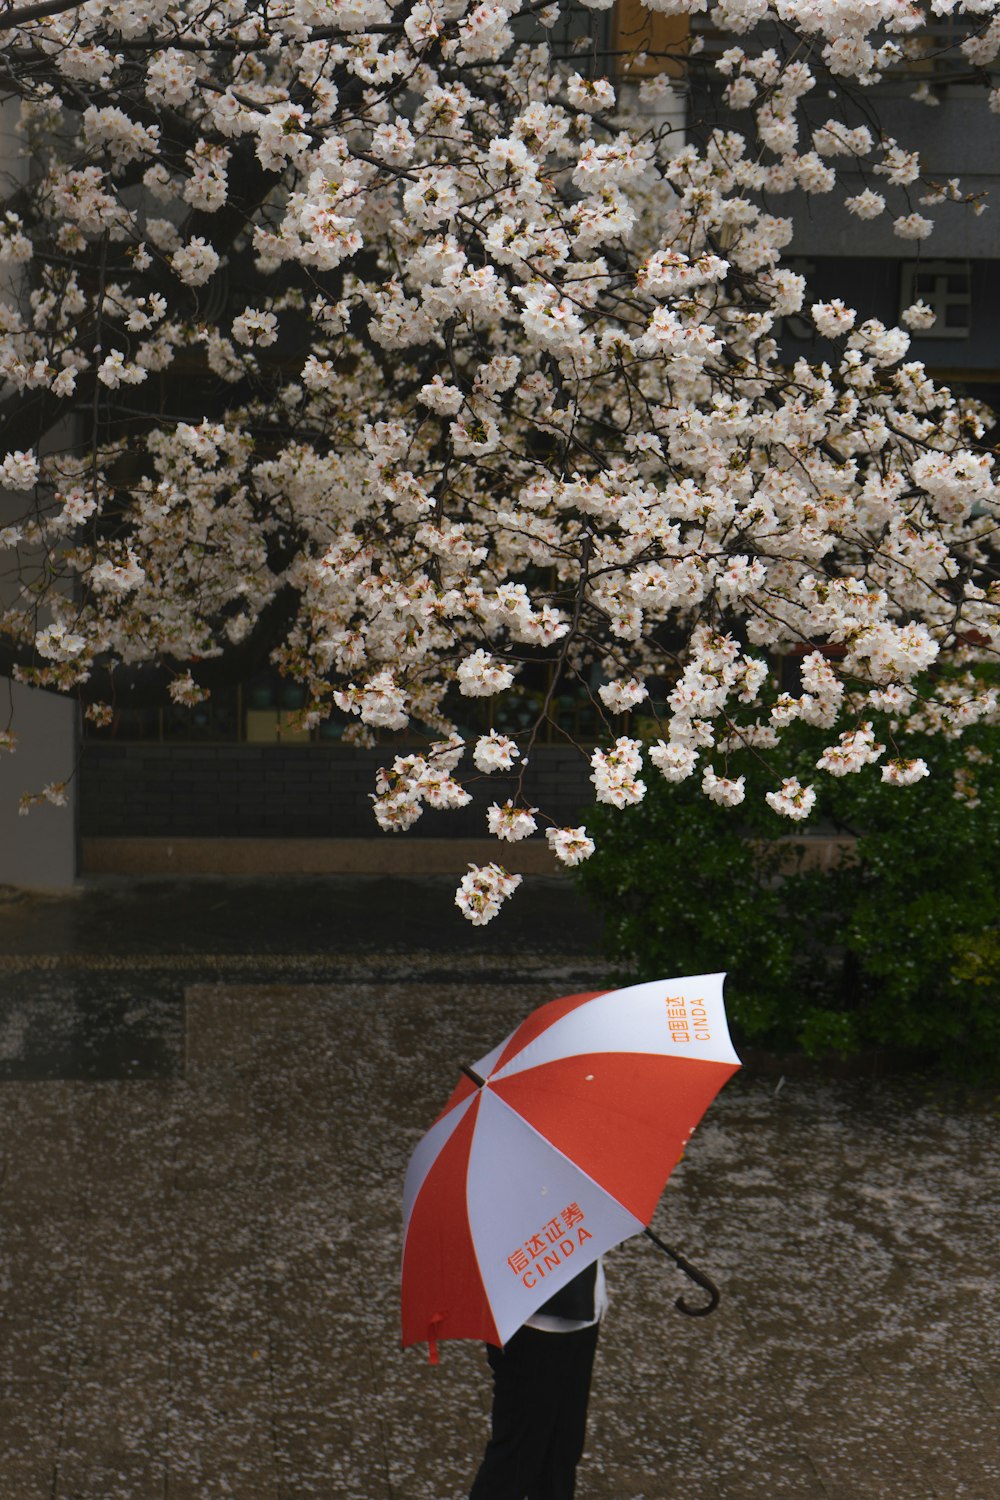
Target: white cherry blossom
<point x="386" y="348"/>
<point x="726" y="791"/>
<point x="904" y="772"/>
<point x="196" y="262"/>
<point x="495" y="752"/>
<point x="481" y="675"/>
<point x="482" y="892"/>
<point x="792" y="800"/>
<point x="511" y="823"/>
<point x="19" y="471"/>
<point x="615" y="773"/>
<point x="619" y="697"/>
<point x="571" y="846"/>
<point x="675" y="761"/>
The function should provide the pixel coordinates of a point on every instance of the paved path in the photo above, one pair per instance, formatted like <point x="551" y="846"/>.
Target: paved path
<point x="198" y="1264"/>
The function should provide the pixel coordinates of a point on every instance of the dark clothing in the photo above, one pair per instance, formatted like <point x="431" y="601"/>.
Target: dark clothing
<point x="541" y="1383"/>
<point x="576" y="1299"/>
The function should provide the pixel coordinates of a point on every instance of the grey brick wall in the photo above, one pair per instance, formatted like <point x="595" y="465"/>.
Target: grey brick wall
<point x="296" y="791"/>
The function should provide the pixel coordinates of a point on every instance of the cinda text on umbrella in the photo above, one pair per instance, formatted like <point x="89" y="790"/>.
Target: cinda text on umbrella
<point x="554" y="1243"/>
<point x="687" y="1021"/>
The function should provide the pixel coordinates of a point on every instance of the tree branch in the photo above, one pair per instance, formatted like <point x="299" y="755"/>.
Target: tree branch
<point x="147" y="684"/>
<point x="10" y="19"/>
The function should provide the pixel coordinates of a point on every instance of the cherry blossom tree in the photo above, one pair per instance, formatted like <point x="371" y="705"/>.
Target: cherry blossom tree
<point x="402" y="348"/>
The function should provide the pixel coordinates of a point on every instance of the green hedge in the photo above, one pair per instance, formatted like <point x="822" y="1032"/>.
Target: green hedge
<point x="896" y="948"/>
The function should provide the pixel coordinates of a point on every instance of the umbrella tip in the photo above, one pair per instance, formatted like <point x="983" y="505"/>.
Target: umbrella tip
<point x="470" y="1073"/>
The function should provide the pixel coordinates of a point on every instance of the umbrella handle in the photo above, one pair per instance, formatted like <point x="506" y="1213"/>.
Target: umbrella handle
<point x="703" y="1281"/>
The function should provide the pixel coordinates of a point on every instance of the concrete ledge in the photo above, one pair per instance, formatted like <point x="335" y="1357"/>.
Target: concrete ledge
<point x="389" y="855"/>
<point x="815" y="852"/>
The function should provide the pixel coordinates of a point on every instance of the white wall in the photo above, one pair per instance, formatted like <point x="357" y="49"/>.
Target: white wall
<point x="38" y="851"/>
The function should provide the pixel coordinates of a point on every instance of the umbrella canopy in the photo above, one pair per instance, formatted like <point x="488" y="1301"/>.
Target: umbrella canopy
<point x="554" y="1148"/>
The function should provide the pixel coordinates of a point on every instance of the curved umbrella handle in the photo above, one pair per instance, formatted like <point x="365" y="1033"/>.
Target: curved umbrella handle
<point x="703" y="1281"/>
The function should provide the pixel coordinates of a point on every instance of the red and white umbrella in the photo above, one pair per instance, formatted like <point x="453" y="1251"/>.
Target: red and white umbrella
<point x="555" y="1147"/>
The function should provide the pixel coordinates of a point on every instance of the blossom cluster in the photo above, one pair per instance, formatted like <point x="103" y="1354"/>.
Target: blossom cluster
<point x="382" y="344"/>
<point x="482" y="892"/>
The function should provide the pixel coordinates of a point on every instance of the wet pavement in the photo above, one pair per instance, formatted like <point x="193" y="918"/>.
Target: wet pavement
<point x="210" y="1093"/>
<point x="345" y="915"/>
<point x="92" y="985"/>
